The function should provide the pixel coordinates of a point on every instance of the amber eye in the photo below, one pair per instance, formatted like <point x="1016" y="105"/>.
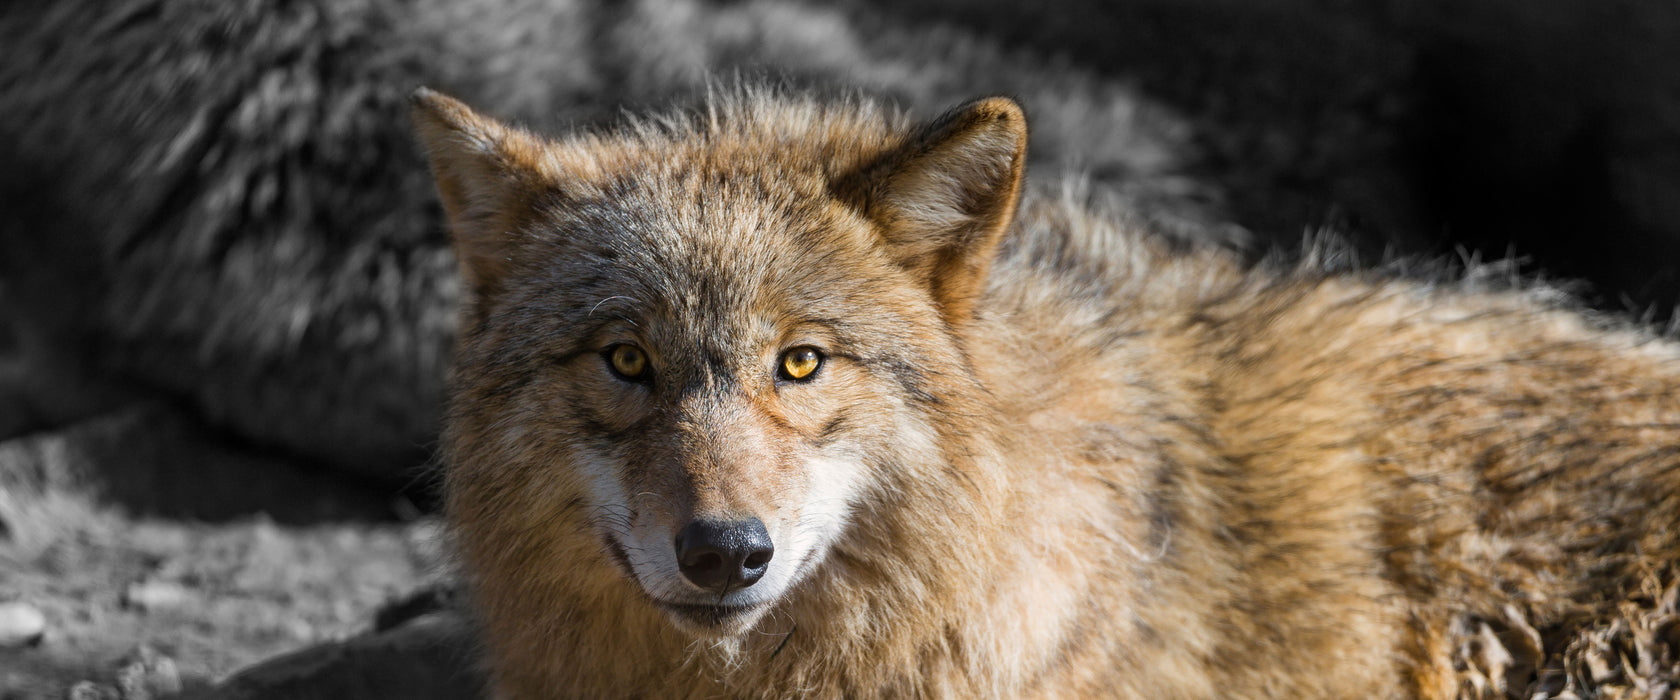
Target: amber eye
<point x="628" y="361"/>
<point x="800" y="363"/>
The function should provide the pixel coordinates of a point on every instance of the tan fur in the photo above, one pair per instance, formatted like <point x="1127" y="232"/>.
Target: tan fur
<point x="1065" y="458"/>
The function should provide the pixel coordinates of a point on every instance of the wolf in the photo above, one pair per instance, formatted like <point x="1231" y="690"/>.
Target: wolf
<point x="796" y="396"/>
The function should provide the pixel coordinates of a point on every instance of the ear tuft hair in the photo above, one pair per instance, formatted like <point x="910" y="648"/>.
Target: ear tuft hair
<point x="488" y="177"/>
<point x="944" y="200"/>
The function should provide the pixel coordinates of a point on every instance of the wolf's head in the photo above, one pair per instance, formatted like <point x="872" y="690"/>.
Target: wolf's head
<point x="696" y="353"/>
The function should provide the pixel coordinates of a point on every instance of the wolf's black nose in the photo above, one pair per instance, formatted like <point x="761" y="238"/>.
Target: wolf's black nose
<point x="723" y="556"/>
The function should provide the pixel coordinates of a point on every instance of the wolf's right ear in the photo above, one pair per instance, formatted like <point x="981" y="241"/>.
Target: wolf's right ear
<point x="488" y="176"/>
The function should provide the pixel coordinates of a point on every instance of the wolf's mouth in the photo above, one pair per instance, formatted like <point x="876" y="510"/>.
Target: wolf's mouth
<point x="709" y="615"/>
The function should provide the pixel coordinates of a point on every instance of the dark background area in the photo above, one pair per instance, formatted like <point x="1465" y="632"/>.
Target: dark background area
<point x="1550" y="130"/>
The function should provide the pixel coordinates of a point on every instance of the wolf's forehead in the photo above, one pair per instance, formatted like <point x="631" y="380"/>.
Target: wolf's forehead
<point x="719" y="245"/>
<point x="693" y="215"/>
<point x="723" y="190"/>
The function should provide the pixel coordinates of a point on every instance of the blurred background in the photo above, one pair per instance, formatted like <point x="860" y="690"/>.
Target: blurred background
<point x="226" y="295"/>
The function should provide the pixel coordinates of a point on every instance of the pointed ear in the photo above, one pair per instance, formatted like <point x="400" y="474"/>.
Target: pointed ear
<point x="489" y="176"/>
<point x="944" y="200"/>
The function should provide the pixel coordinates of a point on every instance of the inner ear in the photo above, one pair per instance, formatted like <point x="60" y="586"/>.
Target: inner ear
<point x="943" y="200"/>
<point x="489" y="178"/>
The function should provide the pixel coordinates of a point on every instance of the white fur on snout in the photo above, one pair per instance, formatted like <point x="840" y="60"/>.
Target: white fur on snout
<point x="835" y="482"/>
<point x="630" y="522"/>
<point x="610" y="510"/>
<point x="648" y="541"/>
<point x="832" y="488"/>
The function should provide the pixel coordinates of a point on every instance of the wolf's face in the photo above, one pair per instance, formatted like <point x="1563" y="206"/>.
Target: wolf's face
<point x="717" y="399"/>
<point x="691" y="359"/>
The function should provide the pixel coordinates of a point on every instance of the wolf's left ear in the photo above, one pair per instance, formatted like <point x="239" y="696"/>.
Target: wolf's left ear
<point x="489" y="176"/>
<point x="944" y="200"/>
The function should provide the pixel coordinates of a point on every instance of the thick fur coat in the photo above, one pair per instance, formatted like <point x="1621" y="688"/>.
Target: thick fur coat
<point x="1046" y="454"/>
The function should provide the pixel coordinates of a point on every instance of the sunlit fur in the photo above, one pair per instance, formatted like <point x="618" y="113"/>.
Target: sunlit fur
<point x="1046" y="455"/>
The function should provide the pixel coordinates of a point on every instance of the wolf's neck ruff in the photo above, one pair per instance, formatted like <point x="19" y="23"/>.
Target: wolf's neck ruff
<point x="787" y="398"/>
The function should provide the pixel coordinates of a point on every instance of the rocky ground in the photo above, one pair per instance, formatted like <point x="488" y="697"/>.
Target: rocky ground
<point x="140" y="561"/>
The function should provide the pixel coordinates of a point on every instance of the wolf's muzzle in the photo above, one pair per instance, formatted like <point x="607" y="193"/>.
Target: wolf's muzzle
<point x="724" y="556"/>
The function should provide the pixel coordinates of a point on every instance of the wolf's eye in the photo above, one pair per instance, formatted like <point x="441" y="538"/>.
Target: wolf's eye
<point x="800" y="363"/>
<point x="627" y="361"/>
